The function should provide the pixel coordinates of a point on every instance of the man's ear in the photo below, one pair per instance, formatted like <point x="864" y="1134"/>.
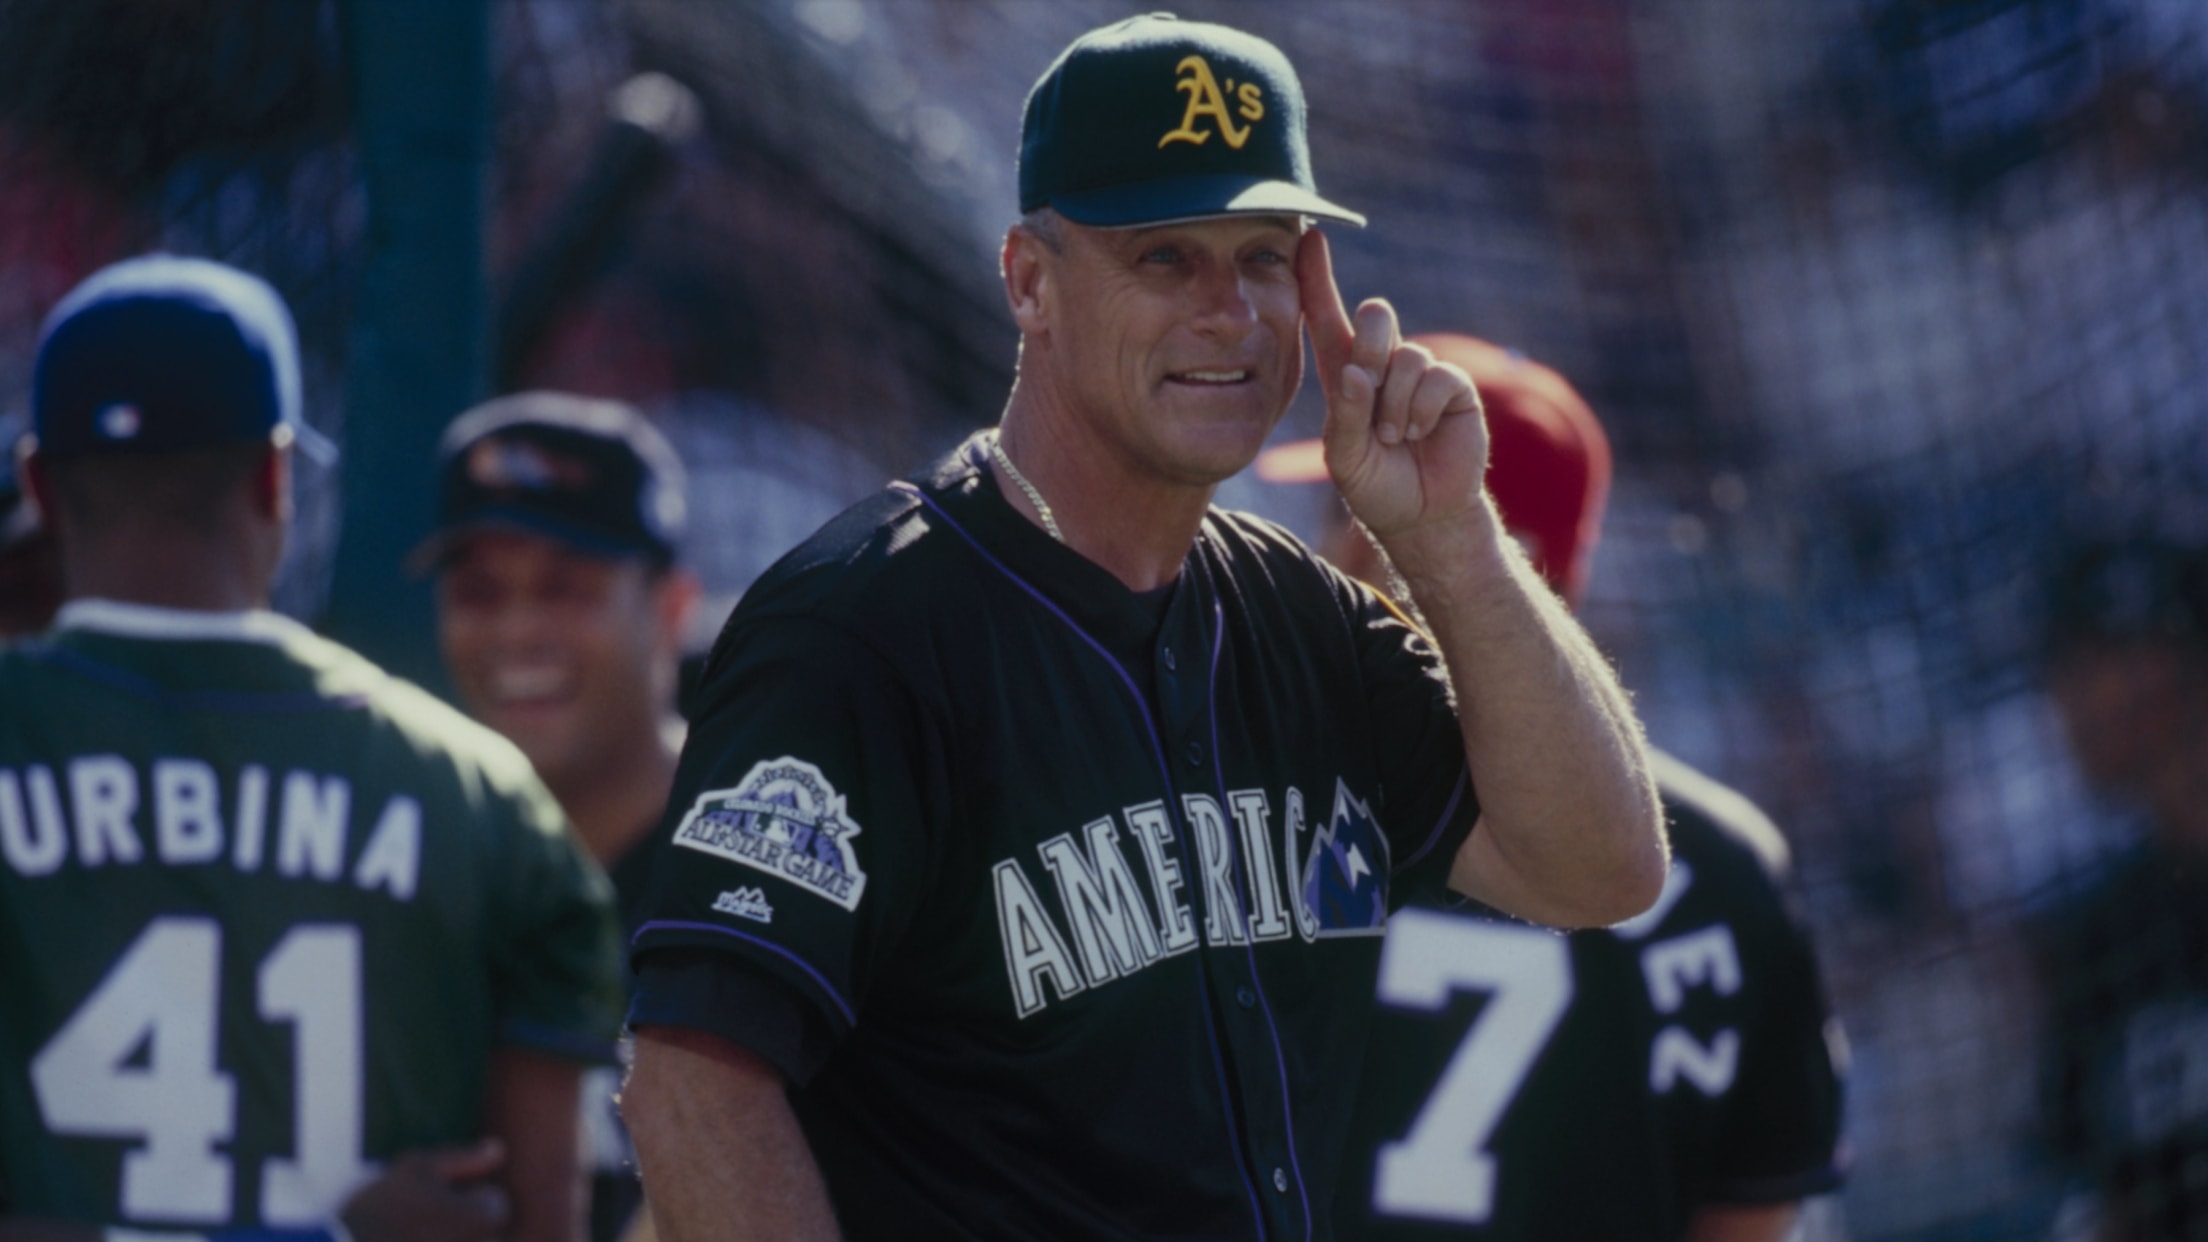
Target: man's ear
<point x="30" y="467"/>
<point x="675" y="600"/>
<point x="272" y="485"/>
<point x="1027" y="268"/>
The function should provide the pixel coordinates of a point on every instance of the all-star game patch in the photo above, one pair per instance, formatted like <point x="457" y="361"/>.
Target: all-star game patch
<point x="784" y="819"/>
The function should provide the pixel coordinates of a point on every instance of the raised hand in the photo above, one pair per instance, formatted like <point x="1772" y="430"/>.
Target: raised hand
<point x="1399" y="444"/>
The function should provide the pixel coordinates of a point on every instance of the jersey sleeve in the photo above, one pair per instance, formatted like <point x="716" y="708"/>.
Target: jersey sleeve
<point x="556" y="944"/>
<point x="721" y="995"/>
<point x="1780" y="1130"/>
<point x="1428" y="802"/>
<point x="799" y="837"/>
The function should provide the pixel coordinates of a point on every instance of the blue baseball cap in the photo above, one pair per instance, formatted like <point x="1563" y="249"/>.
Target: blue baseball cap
<point x="590" y="473"/>
<point x="162" y="354"/>
<point x="1153" y="119"/>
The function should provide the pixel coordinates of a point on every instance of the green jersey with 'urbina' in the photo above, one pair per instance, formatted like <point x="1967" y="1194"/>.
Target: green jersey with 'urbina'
<point x="265" y="914"/>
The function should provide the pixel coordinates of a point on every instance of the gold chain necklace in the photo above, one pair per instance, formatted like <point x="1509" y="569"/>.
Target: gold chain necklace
<point x="1012" y="472"/>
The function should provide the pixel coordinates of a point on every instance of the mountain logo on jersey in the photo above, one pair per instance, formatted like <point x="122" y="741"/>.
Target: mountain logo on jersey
<point x="1345" y="876"/>
<point x="785" y="819"/>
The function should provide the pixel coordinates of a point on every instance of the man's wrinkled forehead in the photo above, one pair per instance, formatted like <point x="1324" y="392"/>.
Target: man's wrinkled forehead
<point x="1292" y="225"/>
<point x="1205" y="230"/>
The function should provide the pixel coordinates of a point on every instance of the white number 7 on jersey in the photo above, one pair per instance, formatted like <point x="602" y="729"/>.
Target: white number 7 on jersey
<point x="1441" y="1169"/>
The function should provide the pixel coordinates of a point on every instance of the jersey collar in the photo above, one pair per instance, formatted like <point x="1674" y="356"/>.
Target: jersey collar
<point x="1099" y="603"/>
<point x="109" y="616"/>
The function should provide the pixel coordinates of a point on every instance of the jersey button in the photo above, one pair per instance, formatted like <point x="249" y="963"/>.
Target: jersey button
<point x="1245" y="998"/>
<point x="1169" y="664"/>
<point x="1195" y="754"/>
<point x="1280" y="1180"/>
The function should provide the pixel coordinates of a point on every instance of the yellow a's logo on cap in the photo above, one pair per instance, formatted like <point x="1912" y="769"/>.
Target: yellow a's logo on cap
<point x="1206" y="99"/>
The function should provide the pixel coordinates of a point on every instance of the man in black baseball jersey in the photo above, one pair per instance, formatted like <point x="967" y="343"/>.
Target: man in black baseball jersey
<point x="2127" y="957"/>
<point x="1670" y="1077"/>
<point x="1033" y="841"/>
<point x="561" y="612"/>
<point x="270" y="920"/>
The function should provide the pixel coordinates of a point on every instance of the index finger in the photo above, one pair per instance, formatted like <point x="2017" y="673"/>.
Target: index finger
<point x="1323" y="312"/>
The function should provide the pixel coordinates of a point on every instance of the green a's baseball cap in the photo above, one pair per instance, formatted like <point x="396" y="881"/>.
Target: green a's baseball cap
<point x="1153" y="119"/>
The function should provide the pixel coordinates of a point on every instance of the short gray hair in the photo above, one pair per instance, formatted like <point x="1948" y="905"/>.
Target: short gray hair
<point x="1048" y="227"/>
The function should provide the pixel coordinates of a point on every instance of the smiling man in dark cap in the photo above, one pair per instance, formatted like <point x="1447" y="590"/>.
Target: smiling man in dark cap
<point x="561" y="612"/>
<point x="1033" y="842"/>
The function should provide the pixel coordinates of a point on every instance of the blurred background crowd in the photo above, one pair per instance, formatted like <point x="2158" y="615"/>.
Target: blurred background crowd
<point x="1888" y="305"/>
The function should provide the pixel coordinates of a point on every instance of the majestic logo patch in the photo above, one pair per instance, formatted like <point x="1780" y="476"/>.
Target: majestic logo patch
<point x="784" y="819"/>
<point x="1345" y="877"/>
<point x="1206" y="99"/>
<point x="745" y="903"/>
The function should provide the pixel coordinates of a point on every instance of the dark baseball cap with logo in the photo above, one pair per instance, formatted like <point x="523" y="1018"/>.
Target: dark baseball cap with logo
<point x="163" y="354"/>
<point x="1153" y="119"/>
<point x="593" y="474"/>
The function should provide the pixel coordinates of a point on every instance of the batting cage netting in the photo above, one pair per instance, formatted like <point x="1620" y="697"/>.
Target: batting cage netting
<point x="1891" y="307"/>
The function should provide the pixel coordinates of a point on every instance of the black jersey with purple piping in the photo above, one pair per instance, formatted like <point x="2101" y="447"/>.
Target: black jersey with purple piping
<point x="1524" y="1084"/>
<point x="1085" y="890"/>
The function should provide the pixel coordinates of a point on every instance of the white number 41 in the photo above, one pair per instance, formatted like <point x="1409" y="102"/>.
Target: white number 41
<point x="163" y="996"/>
